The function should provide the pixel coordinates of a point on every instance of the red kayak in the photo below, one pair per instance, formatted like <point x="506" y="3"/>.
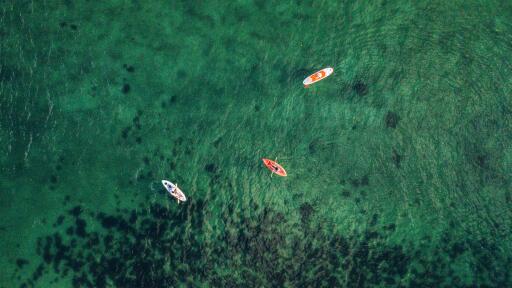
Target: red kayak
<point x="274" y="167"/>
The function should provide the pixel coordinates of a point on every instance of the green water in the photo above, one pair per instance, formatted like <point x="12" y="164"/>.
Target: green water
<point x="399" y="164"/>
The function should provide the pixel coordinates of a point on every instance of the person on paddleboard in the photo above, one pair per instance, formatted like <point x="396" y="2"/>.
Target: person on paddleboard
<point x="174" y="191"/>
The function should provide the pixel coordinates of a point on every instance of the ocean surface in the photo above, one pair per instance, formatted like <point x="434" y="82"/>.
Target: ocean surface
<point x="399" y="164"/>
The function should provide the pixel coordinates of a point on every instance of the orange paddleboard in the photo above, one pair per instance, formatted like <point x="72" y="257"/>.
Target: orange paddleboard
<point x="320" y="75"/>
<point x="274" y="167"/>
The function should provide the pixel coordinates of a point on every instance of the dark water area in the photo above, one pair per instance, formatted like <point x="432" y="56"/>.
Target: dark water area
<point x="399" y="164"/>
<point x="153" y="249"/>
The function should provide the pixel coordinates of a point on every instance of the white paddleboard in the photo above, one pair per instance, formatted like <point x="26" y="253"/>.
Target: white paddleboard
<point x="174" y="191"/>
<point x="317" y="76"/>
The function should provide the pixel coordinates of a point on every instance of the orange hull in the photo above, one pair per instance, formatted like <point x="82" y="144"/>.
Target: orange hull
<point x="274" y="167"/>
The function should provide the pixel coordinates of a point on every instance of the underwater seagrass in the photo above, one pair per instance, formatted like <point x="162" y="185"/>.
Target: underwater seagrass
<point x="139" y="249"/>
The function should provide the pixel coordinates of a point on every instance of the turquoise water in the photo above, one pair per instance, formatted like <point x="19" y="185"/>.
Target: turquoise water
<point x="399" y="164"/>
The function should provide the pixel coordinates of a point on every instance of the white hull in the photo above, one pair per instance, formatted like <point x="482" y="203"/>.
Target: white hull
<point x="174" y="191"/>
<point x="320" y="75"/>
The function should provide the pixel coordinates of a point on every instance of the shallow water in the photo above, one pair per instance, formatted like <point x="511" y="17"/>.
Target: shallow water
<point x="399" y="164"/>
